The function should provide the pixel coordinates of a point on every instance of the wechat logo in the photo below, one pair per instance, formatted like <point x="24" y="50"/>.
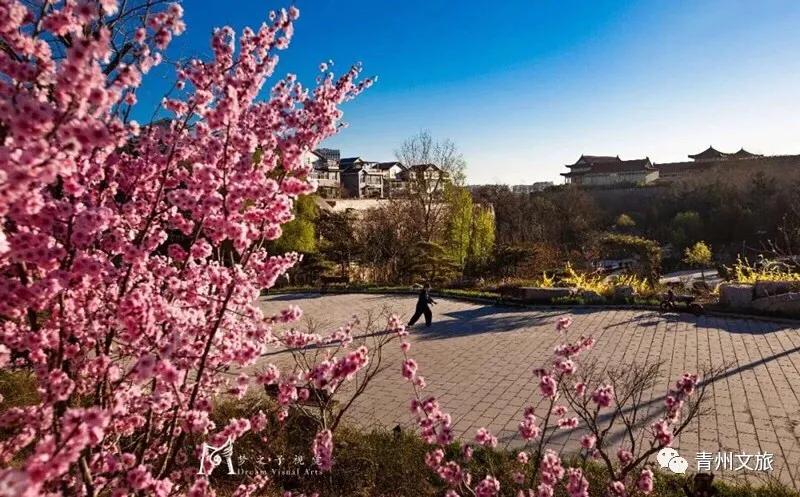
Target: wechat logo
<point x="669" y="458"/>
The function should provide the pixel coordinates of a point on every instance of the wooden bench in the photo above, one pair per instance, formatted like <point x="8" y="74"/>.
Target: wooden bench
<point x="327" y="281"/>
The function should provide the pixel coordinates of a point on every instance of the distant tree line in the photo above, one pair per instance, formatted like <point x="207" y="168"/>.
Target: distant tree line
<point x="740" y="213"/>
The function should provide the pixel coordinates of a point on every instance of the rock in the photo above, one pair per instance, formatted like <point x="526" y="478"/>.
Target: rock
<point x="623" y="293"/>
<point x="735" y="295"/>
<point x="591" y="297"/>
<point x="785" y="303"/>
<point x="770" y="288"/>
<point x="539" y="294"/>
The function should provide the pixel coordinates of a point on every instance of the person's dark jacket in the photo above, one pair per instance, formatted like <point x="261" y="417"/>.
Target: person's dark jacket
<point x="424" y="299"/>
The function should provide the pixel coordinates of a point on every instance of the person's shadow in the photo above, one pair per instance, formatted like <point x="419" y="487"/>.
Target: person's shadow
<point x="485" y="319"/>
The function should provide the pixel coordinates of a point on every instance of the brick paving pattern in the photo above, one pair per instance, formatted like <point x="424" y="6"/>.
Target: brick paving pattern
<point x="477" y="359"/>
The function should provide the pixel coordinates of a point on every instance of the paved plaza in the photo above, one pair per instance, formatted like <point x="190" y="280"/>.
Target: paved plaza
<point x="478" y="360"/>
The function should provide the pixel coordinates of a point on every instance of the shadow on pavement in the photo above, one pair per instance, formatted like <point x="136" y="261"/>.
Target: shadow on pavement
<point x="652" y="410"/>
<point x="288" y="297"/>
<point x="484" y="319"/>
<point x="732" y="324"/>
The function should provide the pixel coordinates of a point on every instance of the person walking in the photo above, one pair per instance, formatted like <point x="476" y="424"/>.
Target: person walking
<point x="423" y="306"/>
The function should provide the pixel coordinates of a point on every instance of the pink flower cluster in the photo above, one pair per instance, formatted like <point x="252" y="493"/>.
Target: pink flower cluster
<point x="684" y="388"/>
<point x="572" y="350"/>
<point x="603" y="395"/>
<point x="617" y="488"/>
<point x="323" y="450"/>
<point x="528" y="428"/>
<point x="548" y="386"/>
<point x="409" y="369"/>
<point x="646" y="481"/>
<point x="483" y="437"/>
<point x="449" y="471"/>
<point x="563" y="323"/>
<point x="488" y="487"/>
<point x="577" y="485"/>
<point x="662" y="432"/>
<point x="550" y="473"/>
<point x="331" y="373"/>
<point x="435" y="425"/>
<point x="567" y="423"/>
<point x="625" y="457"/>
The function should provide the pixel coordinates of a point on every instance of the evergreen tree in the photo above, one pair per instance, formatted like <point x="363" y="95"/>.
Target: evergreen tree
<point x="430" y="262"/>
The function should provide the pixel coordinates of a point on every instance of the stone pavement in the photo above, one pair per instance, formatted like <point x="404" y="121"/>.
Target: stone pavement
<point x="477" y="360"/>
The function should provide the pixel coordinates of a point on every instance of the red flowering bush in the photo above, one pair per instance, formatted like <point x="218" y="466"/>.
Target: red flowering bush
<point x="131" y="256"/>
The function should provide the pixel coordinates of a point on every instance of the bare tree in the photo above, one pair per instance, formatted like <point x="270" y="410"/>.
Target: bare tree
<point x="427" y="185"/>
<point x="423" y="148"/>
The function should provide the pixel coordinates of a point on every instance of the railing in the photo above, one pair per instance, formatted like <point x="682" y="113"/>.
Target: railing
<point x="325" y="175"/>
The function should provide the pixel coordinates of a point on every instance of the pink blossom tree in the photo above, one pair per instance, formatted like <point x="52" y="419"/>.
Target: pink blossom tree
<point x="131" y="256"/>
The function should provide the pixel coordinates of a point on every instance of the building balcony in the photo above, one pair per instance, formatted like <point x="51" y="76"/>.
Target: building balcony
<point x="327" y="183"/>
<point x="326" y="179"/>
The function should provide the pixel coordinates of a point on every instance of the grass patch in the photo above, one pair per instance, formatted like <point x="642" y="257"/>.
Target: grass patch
<point x="18" y="389"/>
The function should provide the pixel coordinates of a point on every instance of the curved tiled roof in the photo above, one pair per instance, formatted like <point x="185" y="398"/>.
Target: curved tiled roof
<point x="586" y="160"/>
<point x="599" y="158"/>
<point x="744" y="154"/>
<point x="709" y="153"/>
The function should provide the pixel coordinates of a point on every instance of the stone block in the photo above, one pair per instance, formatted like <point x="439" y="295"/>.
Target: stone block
<point x="735" y="295"/>
<point x="785" y="303"/>
<point x="769" y="288"/>
<point x="623" y="293"/>
<point x="591" y="297"/>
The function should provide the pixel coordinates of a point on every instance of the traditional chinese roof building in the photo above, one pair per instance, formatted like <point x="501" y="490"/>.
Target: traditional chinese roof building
<point x="603" y="170"/>
<point x="712" y="154"/>
<point x="712" y="158"/>
<point x="744" y="154"/>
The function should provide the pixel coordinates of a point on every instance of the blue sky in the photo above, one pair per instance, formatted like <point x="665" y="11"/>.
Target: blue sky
<point x="524" y="87"/>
